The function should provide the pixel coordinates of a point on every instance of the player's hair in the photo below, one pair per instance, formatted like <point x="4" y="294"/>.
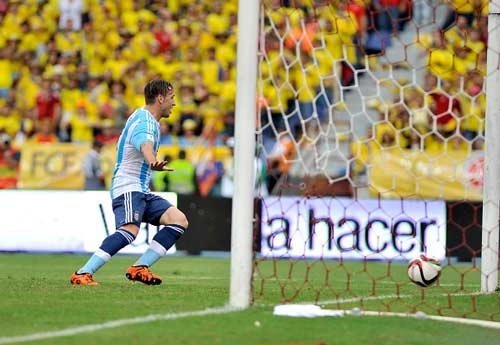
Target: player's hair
<point x="155" y="88"/>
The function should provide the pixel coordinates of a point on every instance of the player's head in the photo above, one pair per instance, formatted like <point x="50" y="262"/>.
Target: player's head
<point x="161" y="93"/>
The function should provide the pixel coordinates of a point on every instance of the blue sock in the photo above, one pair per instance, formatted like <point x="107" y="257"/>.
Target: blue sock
<point x="161" y="243"/>
<point x="116" y="241"/>
<point x="109" y="247"/>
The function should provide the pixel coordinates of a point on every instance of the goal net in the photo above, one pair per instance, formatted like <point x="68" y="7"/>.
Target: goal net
<point x="371" y="123"/>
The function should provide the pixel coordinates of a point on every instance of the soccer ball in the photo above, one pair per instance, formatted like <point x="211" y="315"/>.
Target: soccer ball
<point x="423" y="270"/>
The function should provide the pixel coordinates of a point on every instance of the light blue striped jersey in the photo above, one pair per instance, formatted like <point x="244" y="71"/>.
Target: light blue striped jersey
<point x="132" y="172"/>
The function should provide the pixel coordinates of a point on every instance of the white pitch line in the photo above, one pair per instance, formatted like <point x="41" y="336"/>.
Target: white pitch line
<point x="474" y="322"/>
<point x="227" y="309"/>
<point x="382" y="297"/>
<point x="345" y="300"/>
<point x="361" y="298"/>
<point x="113" y="324"/>
<point x="423" y="316"/>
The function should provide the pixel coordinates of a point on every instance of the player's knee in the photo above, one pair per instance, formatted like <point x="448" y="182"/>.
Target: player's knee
<point x="174" y="216"/>
<point x="131" y="228"/>
<point x="182" y="221"/>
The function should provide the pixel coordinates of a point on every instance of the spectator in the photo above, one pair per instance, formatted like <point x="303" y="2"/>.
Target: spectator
<point x="455" y="8"/>
<point x="458" y="35"/>
<point x="357" y="9"/>
<point x="169" y="65"/>
<point x="118" y="103"/>
<point x="9" y="119"/>
<point x="446" y="109"/>
<point x="9" y="163"/>
<point x="11" y="23"/>
<point x="347" y="26"/>
<point x="7" y="68"/>
<point x="163" y="37"/>
<point x="188" y="109"/>
<point x="422" y="12"/>
<point x="44" y="133"/>
<point x="26" y="127"/>
<point x="379" y="28"/>
<point x="188" y="138"/>
<point x="71" y="10"/>
<point x="182" y="179"/>
<point x="106" y="134"/>
<point x="159" y="179"/>
<point x="461" y="63"/>
<point x="306" y="81"/>
<point x="208" y="174"/>
<point x="475" y="45"/>
<point x="217" y="21"/>
<point x="457" y="143"/>
<point x="414" y="99"/>
<point x="388" y="139"/>
<point x="260" y="174"/>
<point x="361" y="151"/>
<point x="210" y="136"/>
<point x="71" y="103"/>
<point x="441" y="58"/>
<point x="92" y="169"/>
<point x="67" y="40"/>
<point x="166" y="136"/>
<point x="416" y="141"/>
<point x="388" y="17"/>
<point x="82" y="124"/>
<point x="48" y="105"/>
<point x="96" y="89"/>
<point x="211" y="70"/>
<point x="304" y="35"/>
<point x="280" y="160"/>
<point x="474" y="108"/>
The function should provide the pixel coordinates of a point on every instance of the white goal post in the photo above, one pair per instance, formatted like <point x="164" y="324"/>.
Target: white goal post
<point x="491" y="196"/>
<point x="244" y="150"/>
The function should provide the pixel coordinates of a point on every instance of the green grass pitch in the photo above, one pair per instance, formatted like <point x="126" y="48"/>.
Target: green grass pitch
<point x="39" y="306"/>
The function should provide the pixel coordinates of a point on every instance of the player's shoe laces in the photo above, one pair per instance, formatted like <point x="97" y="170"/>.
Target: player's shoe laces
<point x="142" y="274"/>
<point x="82" y="279"/>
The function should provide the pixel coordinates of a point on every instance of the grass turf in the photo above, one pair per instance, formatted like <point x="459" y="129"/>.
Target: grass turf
<point x="36" y="297"/>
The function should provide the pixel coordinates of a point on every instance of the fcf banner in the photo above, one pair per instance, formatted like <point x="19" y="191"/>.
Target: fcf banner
<point x="455" y="175"/>
<point x="59" y="166"/>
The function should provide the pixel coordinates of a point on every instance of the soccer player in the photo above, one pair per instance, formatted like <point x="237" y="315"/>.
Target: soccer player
<point x="133" y="202"/>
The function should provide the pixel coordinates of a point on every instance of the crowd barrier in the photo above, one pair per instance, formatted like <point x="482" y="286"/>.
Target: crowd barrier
<point x="78" y="221"/>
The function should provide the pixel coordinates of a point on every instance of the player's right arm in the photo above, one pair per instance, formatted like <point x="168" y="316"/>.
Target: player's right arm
<point x="143" y="139"/>
<point x="147" y="151"/>
<point x="149" y="156"/>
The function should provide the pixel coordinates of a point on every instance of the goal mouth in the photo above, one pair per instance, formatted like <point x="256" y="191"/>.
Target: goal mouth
<point x="373" y="146"/>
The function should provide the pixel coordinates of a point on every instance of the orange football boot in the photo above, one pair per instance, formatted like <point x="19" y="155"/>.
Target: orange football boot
<point x="143" y="274"/>
<point x="82" y="279"/>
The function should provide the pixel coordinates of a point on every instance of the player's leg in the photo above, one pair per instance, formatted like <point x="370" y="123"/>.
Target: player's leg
<point x="175" y="223"/>
<point x="129" y="209"/>
<point x="159" y="212"/>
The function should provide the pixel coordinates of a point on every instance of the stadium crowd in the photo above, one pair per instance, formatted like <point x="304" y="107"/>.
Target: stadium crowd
<point x="72" y="70"/>
<point x="445" y="113"/>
